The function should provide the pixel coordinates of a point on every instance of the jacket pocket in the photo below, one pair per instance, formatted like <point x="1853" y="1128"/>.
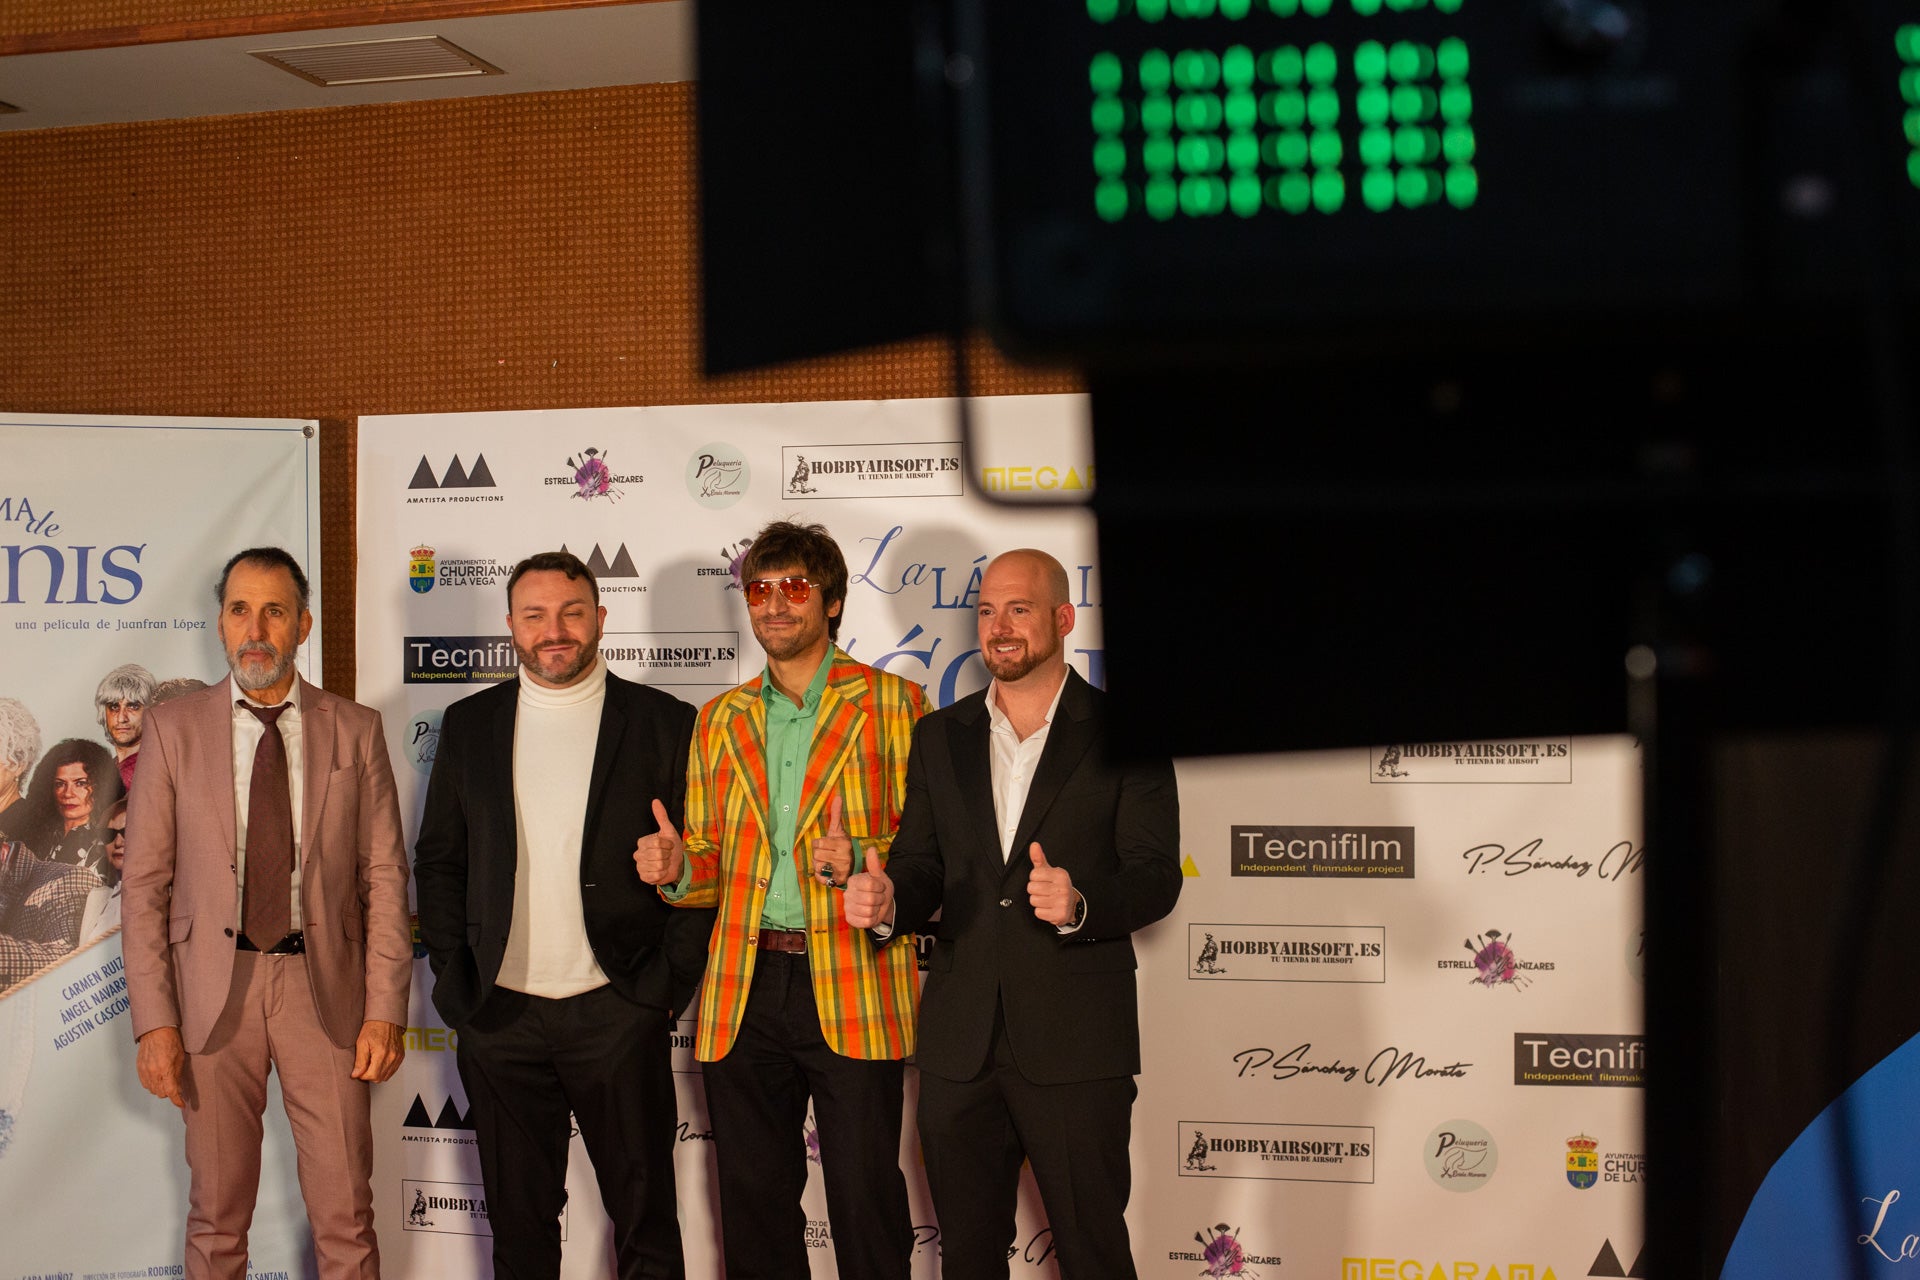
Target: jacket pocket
<point x="178" y="927"/>
<point x="1100" y="958"/>
<point x="353" y="926"/>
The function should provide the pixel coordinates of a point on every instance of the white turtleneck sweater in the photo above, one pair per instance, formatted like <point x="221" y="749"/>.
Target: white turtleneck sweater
<point x="554" y="734"/>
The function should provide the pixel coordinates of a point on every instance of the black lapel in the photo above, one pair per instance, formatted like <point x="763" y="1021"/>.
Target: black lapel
<point x="613" y="726"/>
<point x="968" y="745"/>
<point x="501" y="757"/>
<point x="1069" y="737"/>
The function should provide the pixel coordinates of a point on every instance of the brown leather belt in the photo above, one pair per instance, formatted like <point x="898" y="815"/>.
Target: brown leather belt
<point x="791" y="941"/>
<point x="293" y="944"/>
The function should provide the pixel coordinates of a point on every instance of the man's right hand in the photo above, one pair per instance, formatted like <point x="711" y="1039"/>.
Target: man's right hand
<point x="659" y="857"/>
<point x="162" y="1063"/>
<point x="868" y="900"/>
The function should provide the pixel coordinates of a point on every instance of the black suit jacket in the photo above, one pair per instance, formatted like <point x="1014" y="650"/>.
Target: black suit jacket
<point x="465" y="858"/>
<point x="1069" y="1000"/>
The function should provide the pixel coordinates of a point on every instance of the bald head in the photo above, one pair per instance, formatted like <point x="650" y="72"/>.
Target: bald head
<point x="1051" y="574"/>
<point x="1024" y="614"/>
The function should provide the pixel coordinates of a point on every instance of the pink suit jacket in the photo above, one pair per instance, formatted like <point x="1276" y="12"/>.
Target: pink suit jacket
<point x="181" y="895"/>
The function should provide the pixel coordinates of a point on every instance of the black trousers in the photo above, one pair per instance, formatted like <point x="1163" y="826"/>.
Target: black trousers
<point x="527" y="1062"/>
<point x="757" y="1102"/>
<point x="976" y="1132"/>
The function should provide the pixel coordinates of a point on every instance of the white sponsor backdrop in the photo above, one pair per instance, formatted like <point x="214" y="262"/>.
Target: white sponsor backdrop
<point x="1370" y="1025"/>
<point x="112" y="531"/>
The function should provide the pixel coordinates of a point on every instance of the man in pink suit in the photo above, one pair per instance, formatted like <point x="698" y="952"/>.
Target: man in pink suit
<point x="265" y="925"/>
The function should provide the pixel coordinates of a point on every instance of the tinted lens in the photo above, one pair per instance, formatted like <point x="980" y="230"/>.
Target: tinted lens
<point x="796" y="590"/>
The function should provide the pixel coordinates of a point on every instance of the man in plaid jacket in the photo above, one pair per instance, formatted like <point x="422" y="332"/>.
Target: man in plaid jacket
<point x="789" y="775"/>
<point x="41" y="904"/>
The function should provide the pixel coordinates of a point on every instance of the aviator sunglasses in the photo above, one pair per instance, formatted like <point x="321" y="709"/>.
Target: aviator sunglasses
<point x="760" y="590"/>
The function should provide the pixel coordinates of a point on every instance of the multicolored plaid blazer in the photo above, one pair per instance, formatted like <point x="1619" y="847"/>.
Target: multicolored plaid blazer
<point x="866" y="997"/>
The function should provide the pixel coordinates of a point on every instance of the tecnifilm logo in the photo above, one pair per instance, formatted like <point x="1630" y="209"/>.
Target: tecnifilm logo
<point x="1460" y="1155"/>
<point x="1580" y="1060"/>
<point x="1312" y="853"/>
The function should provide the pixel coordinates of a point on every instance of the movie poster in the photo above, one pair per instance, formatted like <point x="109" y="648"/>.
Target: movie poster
<point x="112" y="534"/>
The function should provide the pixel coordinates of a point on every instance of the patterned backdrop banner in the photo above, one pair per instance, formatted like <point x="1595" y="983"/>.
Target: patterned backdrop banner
<point x="1391" y="1032"/>
<point x="112" y="532"/>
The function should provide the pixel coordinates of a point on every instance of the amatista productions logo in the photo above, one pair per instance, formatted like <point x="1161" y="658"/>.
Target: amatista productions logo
<point x="1375" y="853"/>
<point x="1511" y="760"/>
<point x="1222" y="1255"/>
<point x="1567" y="1058"/>
<point x="1275" y="1152"/>
<point x="457" y="483"/>
<point x="1495" y="965"/>
<point x="616" y="576"/>
<point x="1461" y="1155"/>
<point x="1287" y="953"/>
<point x="1583" y="1162"/>
<point x="590" y="475"/>
<point x="458" y="659"/>
<point x="1607" y="1263"/>
<point x="916" y="469"/>
<point x="450" y="1127"/>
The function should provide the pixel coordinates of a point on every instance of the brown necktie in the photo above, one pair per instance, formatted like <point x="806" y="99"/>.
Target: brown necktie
<point x="269" y="893"/>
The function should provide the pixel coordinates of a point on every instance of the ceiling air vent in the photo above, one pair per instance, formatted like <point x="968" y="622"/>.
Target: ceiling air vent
<point x="377" y="61"/>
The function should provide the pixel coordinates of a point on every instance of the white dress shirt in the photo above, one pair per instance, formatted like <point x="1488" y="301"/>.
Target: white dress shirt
<point x="1013" y="760"/>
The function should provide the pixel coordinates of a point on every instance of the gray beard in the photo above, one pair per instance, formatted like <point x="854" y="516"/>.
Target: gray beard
<point x="265" y="680"/>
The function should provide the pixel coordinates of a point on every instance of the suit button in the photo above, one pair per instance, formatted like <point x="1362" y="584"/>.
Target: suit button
<point x="752" y="940"/>
<point x="229" y="933"/>
<point x="761" y="883"/>
<point x="1006" y="902"/>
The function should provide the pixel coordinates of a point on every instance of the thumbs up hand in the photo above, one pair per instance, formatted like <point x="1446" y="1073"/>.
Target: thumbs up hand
<point x="868" y="900"/>
<point x="659" y="857"/>
<point x="833" y="852"/>
<point x="1049" y="889"/>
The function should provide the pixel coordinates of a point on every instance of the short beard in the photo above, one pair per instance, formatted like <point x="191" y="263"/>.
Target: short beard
<point x="1017" y="668"/>
<point x="566" y="674"/>
<point x="273" y="675"/>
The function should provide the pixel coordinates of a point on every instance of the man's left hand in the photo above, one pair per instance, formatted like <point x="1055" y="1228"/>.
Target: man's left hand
<point x="378" y="1051"/>
<point x="1049" y="889"/>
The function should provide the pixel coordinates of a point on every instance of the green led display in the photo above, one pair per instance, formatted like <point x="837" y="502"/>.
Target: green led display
<point x="1196" y="130"/>
<point x="1105" y="11"/>
<point x="1906" y="42"/>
